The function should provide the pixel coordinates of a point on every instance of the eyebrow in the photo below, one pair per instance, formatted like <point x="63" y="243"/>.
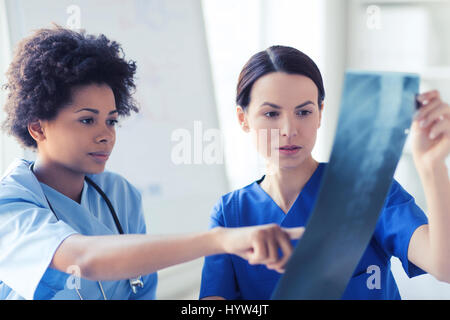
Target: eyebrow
<point x="95" y="110"/>
<point x="273" y="105"/>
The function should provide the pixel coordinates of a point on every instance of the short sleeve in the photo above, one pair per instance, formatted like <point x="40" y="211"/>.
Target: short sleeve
<point x="218" y="276"/>
<point x="399" y="219"/>
<point x="30" y="235"/>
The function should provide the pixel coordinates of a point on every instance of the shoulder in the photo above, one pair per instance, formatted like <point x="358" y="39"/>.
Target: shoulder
<point x="227" y="209"/>
<point x="239" y="196"/>
<point x="397" y="195"/>
<point x="18" y="183"/>
<point x="18" y="173"/>
<point x="400" y="212"/>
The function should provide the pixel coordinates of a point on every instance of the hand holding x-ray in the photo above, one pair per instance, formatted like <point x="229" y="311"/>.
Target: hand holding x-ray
<point x="431" y="130"/>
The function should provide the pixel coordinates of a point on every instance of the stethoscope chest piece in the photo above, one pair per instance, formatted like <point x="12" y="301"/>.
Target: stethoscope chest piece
<point x="135" y="283"/>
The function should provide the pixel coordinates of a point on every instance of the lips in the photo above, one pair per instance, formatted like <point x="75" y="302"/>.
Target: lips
<point x="100" y="157"/>
<point x="289" y="149"/>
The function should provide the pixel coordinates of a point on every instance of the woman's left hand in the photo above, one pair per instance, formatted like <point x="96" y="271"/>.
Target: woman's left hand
<point x="431" y="130"/>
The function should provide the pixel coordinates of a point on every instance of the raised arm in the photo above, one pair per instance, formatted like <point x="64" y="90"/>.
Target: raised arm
<point x="125" y="256"/>
<point x="430" y="246"/>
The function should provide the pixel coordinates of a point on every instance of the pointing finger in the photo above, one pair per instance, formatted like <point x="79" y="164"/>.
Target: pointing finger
<point x="294" y="233"/>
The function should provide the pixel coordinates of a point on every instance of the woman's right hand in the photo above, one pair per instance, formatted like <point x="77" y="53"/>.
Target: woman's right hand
<point x="259" y="244"/>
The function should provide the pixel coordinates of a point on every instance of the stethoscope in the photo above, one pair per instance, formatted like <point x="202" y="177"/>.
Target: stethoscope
<point x="135" y="283"/>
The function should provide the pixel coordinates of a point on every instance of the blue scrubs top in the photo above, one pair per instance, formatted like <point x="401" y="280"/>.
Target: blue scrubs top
<point x="232" y="277"/>
<point x="30" y="234"/>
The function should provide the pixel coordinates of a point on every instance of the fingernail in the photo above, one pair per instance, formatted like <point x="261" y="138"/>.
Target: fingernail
<point x="422" y="123"/>
<point x="432" y="136"/>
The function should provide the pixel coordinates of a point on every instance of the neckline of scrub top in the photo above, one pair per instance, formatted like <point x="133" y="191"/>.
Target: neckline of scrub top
<point x="307" y="194"/>
<point x="78" y="215"/>
<point x="83" y="201"/>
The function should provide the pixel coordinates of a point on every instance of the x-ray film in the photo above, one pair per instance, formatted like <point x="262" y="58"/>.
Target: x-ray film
<point x="375" y="115"/>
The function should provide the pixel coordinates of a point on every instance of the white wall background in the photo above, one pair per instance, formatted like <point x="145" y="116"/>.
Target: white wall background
<point x="336" y="34"/>
<point x="9" y="149"/>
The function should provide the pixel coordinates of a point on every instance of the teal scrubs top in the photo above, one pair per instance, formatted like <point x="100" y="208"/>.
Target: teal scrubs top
<point x="30" y="234"/>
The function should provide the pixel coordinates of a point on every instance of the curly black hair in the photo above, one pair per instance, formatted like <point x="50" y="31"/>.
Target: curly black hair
<point x="49" y="63"/>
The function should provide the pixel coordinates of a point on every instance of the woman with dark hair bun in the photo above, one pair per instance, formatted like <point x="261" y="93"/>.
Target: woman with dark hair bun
<point x="280" y="101"/>
<point x="277" y="59"/>
<point x="63" y="214"/>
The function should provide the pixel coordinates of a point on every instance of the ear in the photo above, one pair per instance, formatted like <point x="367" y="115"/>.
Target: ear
<point x="320" y="114"/>
<point x="242" y="118"/>
<point x="35" y="129"/>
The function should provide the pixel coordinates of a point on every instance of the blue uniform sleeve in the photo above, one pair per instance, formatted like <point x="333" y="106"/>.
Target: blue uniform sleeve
<point x="52" y="281"/>
<point x="29" y="237"/>
<point x="148" y="292"/>
<point x="218" y="275"/>
<point x="400" y="218"/>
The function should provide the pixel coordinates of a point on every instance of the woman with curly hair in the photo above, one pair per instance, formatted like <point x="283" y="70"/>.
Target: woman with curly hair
<point x="63" y="213"/>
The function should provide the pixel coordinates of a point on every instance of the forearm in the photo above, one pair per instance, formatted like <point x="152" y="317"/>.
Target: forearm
<point x="436" y="185"/>
<point x="125" y="256"/>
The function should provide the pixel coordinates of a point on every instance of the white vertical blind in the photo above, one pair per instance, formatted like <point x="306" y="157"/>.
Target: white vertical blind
<point x="9" y="148"/>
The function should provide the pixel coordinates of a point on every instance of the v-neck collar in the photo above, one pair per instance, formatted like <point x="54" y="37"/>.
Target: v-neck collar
<point x="78" y="215"/>
<point x="84" y="195"/>
<point x="304" y="200"/>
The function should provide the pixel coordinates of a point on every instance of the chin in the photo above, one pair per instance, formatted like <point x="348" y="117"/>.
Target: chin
<point x="95" y="169"/>
<point x="291" y="163"/>
<point x="289" y="166"/>
<point x="282" y="165"/>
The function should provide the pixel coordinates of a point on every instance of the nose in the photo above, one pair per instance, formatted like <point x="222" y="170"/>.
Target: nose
<point x="106" y="135"/>
<point x="288" y="128"/>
